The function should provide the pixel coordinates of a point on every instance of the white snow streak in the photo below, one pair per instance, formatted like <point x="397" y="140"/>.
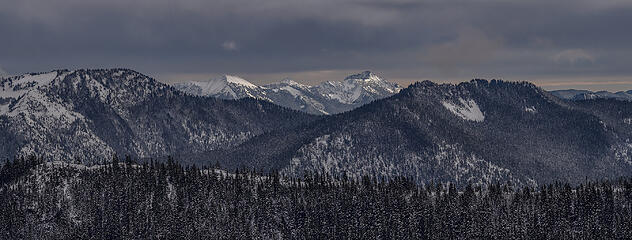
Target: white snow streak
<point x="530" y="109"/>
<point x="467" y="110"/>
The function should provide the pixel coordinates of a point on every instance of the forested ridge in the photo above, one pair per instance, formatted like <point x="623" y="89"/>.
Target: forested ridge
<point x="47" y="200"/>
<point x="473" y="132"/>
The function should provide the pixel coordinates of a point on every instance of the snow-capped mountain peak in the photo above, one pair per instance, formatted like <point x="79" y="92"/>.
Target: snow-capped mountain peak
<point x="38" y="79"/>
<point x="327" y="98"/>
<point x="225" y="87"/>
<point x="237" y="80"/>
<point x="358" y="88"/>
<point x="290" y="82"/>
<point x="19" y="93"/>
<point x="366" y="76"/>
<point x="15" y="87"/>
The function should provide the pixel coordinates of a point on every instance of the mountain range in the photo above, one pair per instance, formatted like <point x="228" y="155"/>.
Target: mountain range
<point x="573" y="94"/>
<point x="473" y="132"/>
<point x="329" y="97"/>
<point x="93" y="114"/>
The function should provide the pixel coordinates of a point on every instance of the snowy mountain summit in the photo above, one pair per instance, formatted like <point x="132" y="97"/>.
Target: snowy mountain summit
<point x="330" y="97"/>
<point x="224" y="87"/>
<point x="358" y="88"/>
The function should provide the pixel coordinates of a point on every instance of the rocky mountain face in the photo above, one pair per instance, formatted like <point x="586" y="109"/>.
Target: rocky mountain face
<point x="327" y="98"/>
<point x="474" y="132"/>
<point x="94" y="114"/>
<point x="576" y="95"/>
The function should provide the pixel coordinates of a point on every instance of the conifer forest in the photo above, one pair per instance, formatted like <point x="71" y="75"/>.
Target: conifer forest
<point x="166" y="200"/>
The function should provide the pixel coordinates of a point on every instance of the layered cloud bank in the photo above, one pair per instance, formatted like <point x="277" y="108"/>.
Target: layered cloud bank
<point x="405" y="40"/>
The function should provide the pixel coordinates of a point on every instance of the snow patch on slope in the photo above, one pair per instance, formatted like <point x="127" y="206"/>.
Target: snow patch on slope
<point x="623" y="152"/>
<point x="35" y="104"/>
<point x="336" y="154"/>
<point x="215" y="86"/>
<point x="292" y="91"/>
<point x="210" y="87"/>
<point x="23" y="95"/>
<point x="530" y="109"/>
<point x="39" y="79"/>
<point x="467" y="110"/>
<point x="19" y="86"/>
<point x="346" y="92"/>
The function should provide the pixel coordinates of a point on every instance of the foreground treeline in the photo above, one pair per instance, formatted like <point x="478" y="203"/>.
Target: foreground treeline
<point x="167" y="201"/>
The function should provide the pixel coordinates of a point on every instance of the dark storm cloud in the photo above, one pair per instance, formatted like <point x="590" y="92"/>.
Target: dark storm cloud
<point x="403" y="39"/>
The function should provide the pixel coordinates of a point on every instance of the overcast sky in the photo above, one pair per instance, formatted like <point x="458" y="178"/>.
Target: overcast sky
<point x="557" y="44"/>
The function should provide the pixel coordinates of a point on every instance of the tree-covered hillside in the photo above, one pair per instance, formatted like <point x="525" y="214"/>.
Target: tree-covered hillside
<point x="473" y="132"/>
<point x="124" y="200"/>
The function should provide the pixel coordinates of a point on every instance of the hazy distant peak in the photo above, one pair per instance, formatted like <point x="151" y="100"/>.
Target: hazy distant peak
<point x="573" y="94"/>
<point x="290" y="82"/>
<point x="366" y="76"/>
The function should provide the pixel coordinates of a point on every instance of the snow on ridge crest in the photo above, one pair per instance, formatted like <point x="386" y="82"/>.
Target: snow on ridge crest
<point x="26" y="81"/>
<point x="325" y="98"/>
<point x="467" y="110"/>
<point x="221" y="85"/>
<point x="365" y="76"/>
<point x="238" y="80"/>
<point x="291" y="82"/>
